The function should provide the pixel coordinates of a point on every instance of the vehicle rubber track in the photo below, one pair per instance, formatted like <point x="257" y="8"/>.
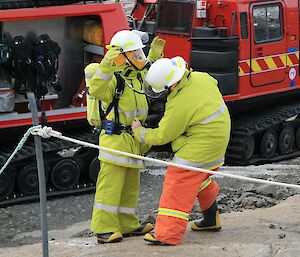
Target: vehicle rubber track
<point x="52" y="145"/>
<point x="245" y="147"/>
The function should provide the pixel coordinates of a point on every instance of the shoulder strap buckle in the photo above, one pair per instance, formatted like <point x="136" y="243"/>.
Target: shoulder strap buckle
<point x="118" y="92"/>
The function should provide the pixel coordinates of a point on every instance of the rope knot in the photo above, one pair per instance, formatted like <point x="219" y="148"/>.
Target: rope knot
<point x="45" y="132"/>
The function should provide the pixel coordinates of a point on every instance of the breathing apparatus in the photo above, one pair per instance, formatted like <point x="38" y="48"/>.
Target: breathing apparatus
<point x="130" y="45"/>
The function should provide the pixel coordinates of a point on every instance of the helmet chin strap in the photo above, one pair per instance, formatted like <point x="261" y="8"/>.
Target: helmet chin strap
<point x="169" y="90"/>
<point x="147" y="65"/>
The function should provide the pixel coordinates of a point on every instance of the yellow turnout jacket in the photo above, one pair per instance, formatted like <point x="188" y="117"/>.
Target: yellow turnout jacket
<point x="196" y="121"/>
<point x="102" y="86"/>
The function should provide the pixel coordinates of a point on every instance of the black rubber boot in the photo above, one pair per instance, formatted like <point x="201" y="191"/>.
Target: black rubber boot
<point x="211" y="221"/>
<point x="149" y="237"/>
<point x="142" y="230"/>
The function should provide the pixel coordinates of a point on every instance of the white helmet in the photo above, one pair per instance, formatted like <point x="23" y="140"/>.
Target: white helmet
<point x="127" y="40"/>
<point x="165" y="72"/>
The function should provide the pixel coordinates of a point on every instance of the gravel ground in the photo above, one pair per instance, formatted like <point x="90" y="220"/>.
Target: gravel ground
<point x="235" y="195"/>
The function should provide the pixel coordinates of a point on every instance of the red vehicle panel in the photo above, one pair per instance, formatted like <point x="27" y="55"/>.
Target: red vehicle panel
<point x="252" y="49"/>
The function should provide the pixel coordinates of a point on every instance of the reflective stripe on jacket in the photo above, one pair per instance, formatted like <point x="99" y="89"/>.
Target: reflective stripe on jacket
<point x="196" y="121"/>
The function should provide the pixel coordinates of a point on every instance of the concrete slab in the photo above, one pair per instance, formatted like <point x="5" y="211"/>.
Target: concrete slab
<point x="253" y="233"/>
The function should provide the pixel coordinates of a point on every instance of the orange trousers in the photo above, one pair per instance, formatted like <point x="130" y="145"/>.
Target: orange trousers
<point x="180" y="190"/>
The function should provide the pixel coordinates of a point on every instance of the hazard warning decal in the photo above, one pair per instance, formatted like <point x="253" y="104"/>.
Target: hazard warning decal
<point x="268" y="63"/>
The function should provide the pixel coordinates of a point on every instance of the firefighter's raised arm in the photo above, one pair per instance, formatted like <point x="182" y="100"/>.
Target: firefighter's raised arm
<point x="156" y="49"/>
<point x="103" y="82"/>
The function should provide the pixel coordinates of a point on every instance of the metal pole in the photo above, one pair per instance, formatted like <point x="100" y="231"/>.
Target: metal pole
<point x="41" y="174"/>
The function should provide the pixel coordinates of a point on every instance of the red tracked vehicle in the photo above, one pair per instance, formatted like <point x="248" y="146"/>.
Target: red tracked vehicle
<point x="252" y="49"/>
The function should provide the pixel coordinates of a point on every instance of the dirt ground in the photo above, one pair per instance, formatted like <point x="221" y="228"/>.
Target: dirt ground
<point x="264" y="232"/>
<point x="20" y="224"/>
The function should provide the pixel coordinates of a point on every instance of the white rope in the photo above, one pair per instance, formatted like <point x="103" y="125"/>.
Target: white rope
<point x="19" y="146"/>
<point x="47" y="132"/>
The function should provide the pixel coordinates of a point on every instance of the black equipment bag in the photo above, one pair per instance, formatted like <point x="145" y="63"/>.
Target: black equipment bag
<point x="46" y="56"/>
<point x="34" y="65"/>
<point x="22" y="54"/>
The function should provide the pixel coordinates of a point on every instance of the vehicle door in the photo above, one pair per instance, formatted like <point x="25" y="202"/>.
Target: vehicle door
<point x="268" y="57"/>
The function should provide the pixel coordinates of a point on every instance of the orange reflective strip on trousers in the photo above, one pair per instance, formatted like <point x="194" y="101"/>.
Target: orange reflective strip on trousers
<point x="180" y="190"/>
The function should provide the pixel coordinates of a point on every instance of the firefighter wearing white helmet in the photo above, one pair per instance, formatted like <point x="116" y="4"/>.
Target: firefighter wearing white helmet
<point x="117" y="187"/>
<point x="127" y="41"/>
<point x="165" y="73"/>
<point x="126" y="47"/>
<point x="197" y="122"/>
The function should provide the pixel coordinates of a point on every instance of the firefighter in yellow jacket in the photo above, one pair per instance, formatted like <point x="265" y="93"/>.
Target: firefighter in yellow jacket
<point x="197" y="122"/>
<point x="118" y="182"/>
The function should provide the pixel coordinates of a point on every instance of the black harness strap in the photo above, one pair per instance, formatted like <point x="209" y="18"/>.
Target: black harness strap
<point x="128" y="72"/>
<point x="118" y="92"/>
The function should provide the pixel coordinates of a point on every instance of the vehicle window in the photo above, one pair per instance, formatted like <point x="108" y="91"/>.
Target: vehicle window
<point x="244" y="25"/>
<point x="267" y="22"/>
<point x="175" y="17"/>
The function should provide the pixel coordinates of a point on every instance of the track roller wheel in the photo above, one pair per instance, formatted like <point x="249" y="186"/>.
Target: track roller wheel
<point x="269" y="143"/>
<point x="81" y="151"/>
<point x="28" y="181"/>
<point x="65" y="174"/>
<point x="7" y="184"/>
<point x="83" y="158"/>
<point x="94" y="169"/>
<point x="249" y="146"/>
<point x="298" y="137"/>
<point x="286" y="140"/>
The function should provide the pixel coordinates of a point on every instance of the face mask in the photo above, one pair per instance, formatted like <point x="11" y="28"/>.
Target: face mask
<point x="137" y="58"/>
<point x="150" y="93"/>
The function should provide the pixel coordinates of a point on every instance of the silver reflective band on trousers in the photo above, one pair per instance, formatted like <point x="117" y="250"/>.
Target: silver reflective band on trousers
<point x="120" y="159"/>
<point x="118" y="209"/>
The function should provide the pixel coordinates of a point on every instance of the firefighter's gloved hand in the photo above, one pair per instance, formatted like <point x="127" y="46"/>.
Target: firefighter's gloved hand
<point x="135" y="124"/>
<point x="111" y="54"/>
<point x="157" y="46"/>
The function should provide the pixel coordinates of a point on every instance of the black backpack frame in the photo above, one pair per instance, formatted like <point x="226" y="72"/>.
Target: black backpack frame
<point x="115" y="102"/>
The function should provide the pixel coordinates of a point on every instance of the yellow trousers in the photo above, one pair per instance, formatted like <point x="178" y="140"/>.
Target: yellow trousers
<point x="116" y="199"/>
